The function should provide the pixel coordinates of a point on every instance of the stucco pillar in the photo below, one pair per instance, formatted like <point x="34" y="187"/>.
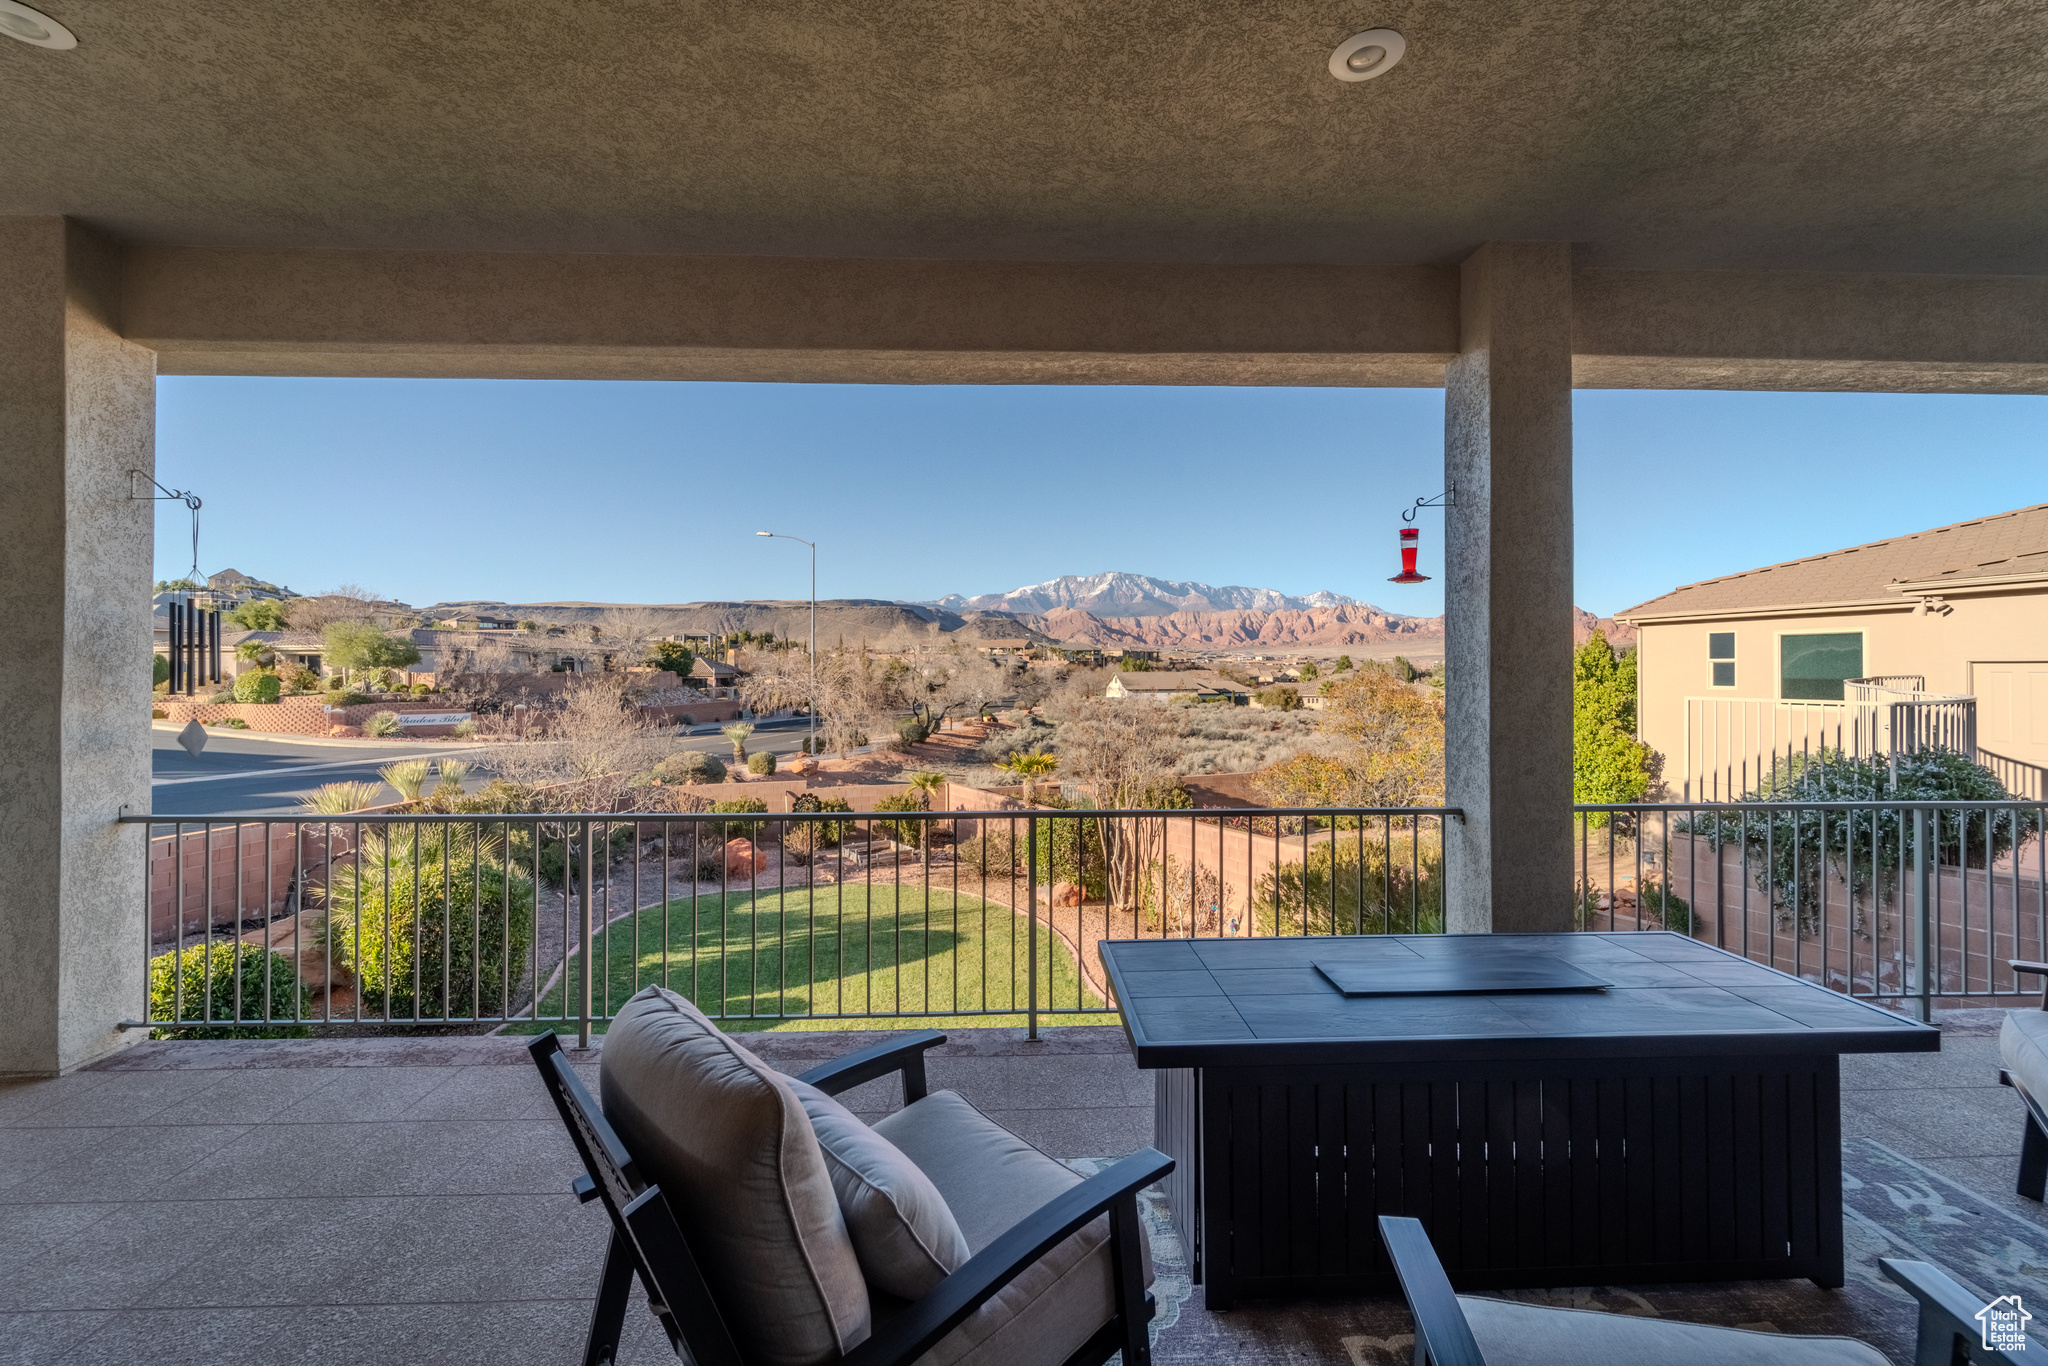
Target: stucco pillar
<point x="1508" y="592"/>
<point x="77" y="413"/>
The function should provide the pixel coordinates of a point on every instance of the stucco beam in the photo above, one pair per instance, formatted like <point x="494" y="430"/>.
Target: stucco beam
<point x="236" y="311"/>
<point x="1795" y="330"/>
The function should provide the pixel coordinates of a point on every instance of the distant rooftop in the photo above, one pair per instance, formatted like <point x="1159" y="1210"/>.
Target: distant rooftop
<point x="2007" y="545"/>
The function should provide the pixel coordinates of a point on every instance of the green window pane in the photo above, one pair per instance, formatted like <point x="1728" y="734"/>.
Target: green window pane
<point x="1724" y="675"/>
<point x="1721" y="645"/>
<point x="1812" y="668"/>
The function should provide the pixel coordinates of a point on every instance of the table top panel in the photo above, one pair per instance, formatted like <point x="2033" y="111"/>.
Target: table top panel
<point x="1214" y="1002"/>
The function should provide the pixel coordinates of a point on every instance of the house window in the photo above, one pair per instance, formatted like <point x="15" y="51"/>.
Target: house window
<point x="1813" y="668"/>
<point x="1721" y="653"/>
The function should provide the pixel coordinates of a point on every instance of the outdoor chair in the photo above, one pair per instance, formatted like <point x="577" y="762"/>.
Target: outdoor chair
<point x="2023" y="1047"/>
<point x="770" y="1227"/>
<point x="1466" y="1330"/>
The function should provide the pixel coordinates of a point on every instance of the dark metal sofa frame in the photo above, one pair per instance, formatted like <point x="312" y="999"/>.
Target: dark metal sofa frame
<point x="2033" y="1183"/>
<point x="648" y="1242"/>
<point x="1948" y="1334"/>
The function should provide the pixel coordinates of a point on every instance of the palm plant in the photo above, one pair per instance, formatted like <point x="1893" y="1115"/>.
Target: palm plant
<point x="738" y="732"/>
<point x="924" y="784"/>
<point x="451" y="774"/>
<point x="338" y="799"/>
<point x="1028" y="769"/>
<point x="407" y="777"/>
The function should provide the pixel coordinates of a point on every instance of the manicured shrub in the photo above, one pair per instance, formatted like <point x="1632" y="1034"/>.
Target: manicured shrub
<point x="348" y="698"/>
<point x="159" y="671"/>
<point x="904" y="832"/>
<point x="721" y="831"/>
<point x="302" y="680"/>
<point x="432" y="923"/>
<point x="761" y="765"/>
<point x="808" y="837"/>
<point x="258" y="687"/>
<point x="688" y="766"/>
<point x="201" y="982"/>
<point x="381" y="723"/>
<point x="420" y="690"/>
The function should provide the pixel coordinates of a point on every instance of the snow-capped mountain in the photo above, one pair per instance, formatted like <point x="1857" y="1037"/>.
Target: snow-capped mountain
<point x="1136" y="595"/>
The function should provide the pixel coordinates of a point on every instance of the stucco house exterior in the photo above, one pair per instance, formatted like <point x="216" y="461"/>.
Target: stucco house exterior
<point x="1160" y="685"/>
<point x="1763" y="660"/>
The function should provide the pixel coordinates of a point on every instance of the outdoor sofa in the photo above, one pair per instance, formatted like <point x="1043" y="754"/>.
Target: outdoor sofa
<point x="1468" y="1330"/>
<point x="2023" y="1048"/>
<point x="771" y="1227"/>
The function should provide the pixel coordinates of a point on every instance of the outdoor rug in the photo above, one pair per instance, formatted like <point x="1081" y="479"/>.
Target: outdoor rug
<point x="1893" y="1207"/>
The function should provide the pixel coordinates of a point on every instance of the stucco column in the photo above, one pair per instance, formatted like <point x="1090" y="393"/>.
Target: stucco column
<point x="77" y="413"/>
<point x="1508" y="592"/>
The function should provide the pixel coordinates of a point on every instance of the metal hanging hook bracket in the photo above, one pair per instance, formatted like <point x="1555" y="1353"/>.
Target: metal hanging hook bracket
<point x="1442" y="500"/>
<point x="185" y="496"/>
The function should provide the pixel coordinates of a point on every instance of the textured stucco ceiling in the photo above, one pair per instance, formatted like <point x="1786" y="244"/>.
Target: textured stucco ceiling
<point x="1657" y="133"/>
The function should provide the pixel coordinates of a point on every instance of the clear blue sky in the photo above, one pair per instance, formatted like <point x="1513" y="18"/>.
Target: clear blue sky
<point x="431" y="490"/>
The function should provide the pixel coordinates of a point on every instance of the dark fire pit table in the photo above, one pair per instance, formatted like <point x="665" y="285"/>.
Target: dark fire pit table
<point x="1680" y="1123"/>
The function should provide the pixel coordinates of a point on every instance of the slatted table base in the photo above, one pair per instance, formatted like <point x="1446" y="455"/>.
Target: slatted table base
<point x="1623" y="1171"/>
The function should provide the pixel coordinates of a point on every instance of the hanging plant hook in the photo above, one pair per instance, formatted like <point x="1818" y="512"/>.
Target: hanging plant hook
<point x="185" y="496"/>
<point x="1442" y="500"/>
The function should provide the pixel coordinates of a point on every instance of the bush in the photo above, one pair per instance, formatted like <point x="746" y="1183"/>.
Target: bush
<point x="688" y="766"/>
<point x="420" y="690"/>
<point x="159" y="671"/>
<point x="807" y="837"/>
<point x="338" y="799"/>
<point x="336" y="683"/>
<point x="302" y="679"/>
<point x="381" y="723"/>
<point x="200" y="982"/>
<point x="258" y="687"/>
<point x="761" y="764"/>
<point x="454" y="909"/>
<point x="1032" y="737"/>
<point x="464" y="729"/>
<point x="1280" y="699"/>
<point x="234" y="723"/>
<point x="1342" y="888"/>
<point x="911" y="731"/>
<point x="904" y="832"/>
<point x="721" y="831"/>
<point x="348" y="698"/>
<point x="1868" y="847"/>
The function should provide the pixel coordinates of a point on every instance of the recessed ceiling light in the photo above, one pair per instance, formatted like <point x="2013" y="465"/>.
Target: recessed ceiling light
<point x="1365" y="55"/>
<point x="33" y="26"/>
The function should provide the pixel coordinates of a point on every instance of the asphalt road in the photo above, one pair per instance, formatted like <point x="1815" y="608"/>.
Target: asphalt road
<point x="236" y="775"/>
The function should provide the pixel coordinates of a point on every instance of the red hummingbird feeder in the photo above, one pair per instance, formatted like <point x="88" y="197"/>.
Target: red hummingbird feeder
<point x="1410" y="539"/>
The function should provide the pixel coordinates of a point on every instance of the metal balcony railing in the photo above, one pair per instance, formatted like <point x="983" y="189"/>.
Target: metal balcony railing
<point x="1900" y="902"/>
<point x="378" y="921"/>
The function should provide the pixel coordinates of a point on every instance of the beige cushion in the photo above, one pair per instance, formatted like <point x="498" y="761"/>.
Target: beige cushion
<point x="1511" y="1334"/>
<point x="2023" y="1047"/>
<point x="991" y="1179"/>
<point x="725" y="1138"/>
<point x="906" y="1238"/>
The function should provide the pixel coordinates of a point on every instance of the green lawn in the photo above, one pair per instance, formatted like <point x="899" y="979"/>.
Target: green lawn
<point x="890" y="957"/>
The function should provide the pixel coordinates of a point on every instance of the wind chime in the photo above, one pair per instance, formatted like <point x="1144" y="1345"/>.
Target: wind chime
<point x="1411" y="538"/>
<point x="195" y="647"/>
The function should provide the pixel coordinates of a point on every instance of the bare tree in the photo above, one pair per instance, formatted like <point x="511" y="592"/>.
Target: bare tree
<point x="594" y="739"/>
<point x="1124" y="757"/>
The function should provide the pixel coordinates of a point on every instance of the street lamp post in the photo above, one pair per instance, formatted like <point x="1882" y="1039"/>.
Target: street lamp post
<point x="778" y="536"/>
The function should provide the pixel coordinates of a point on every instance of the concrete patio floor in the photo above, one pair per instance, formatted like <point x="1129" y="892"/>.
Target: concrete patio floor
<point x="406" y="1200"/>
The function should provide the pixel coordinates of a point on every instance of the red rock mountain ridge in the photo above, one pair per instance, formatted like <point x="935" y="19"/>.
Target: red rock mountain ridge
<point x="1245" y="628"/>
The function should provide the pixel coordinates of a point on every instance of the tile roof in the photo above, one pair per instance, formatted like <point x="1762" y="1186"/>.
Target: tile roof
<point x="1164" y="680"/>
<point x="2006" y="543"/>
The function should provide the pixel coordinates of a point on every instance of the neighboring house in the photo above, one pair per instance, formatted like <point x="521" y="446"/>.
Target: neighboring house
<point x="1764" y="661"/>
<point x="1159" y="685"/>
<point x="711" y="673"/>
<point x="477" y="623"/>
